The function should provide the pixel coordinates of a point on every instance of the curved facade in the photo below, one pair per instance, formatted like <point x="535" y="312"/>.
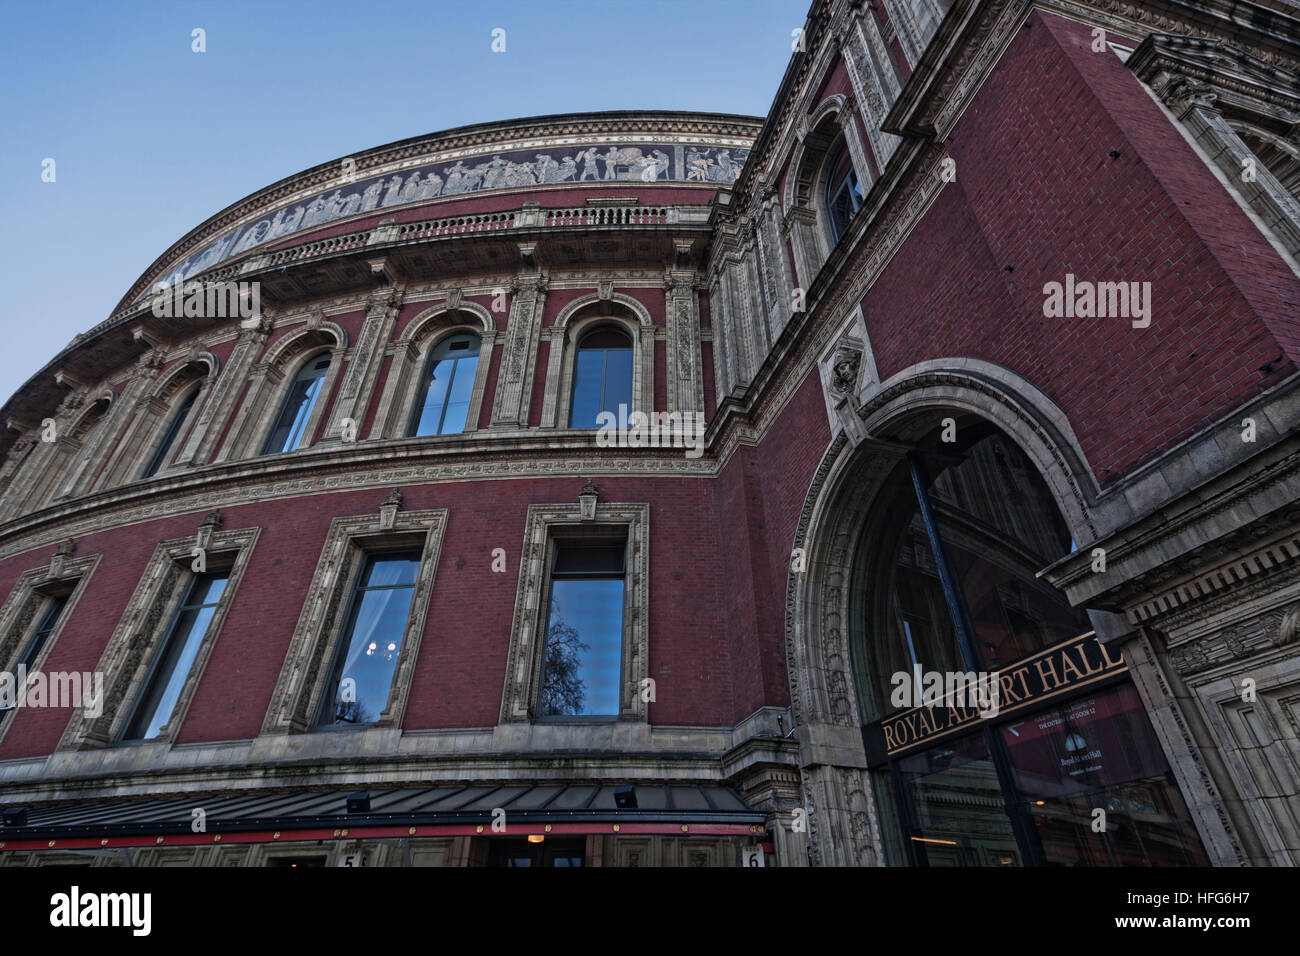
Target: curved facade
<point x="692" y="489"/>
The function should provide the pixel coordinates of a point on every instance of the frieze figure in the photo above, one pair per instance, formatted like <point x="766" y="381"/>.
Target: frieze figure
<point x="711" y="165"/>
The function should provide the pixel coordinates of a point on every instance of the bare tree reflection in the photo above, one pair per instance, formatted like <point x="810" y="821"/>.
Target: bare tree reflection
<point x="563" y="690"/>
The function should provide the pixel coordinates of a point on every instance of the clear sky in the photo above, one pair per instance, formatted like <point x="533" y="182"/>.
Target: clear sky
<point x="150" y="138"/>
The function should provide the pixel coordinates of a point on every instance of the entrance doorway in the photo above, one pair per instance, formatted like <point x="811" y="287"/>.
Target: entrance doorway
<point x="1058" y="764"/>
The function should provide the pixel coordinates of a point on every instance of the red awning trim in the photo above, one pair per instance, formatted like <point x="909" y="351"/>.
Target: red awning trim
<point x="357" y="833"/>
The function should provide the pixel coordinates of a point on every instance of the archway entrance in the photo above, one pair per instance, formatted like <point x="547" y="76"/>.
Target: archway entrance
<point x="999" y="731"/>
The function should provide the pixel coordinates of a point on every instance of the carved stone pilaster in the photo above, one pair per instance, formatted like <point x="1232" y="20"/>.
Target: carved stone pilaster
<point x="805" y="240"/>
<point x="518" y="359"/>
<point x="367" y="357"/>
<point x="221" y="399"/>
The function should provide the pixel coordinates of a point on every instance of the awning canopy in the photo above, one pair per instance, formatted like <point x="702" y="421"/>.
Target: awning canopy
<point x="433" y="811"/>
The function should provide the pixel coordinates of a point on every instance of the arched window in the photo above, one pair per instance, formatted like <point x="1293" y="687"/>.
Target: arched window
<point x="447" y="387"/>
<point x="291" y="425"/>
<point x="602" y="378"/>
<point x="843" y="194"/>
<point x="169" y="437"/>
<point x="1001" y="720"/>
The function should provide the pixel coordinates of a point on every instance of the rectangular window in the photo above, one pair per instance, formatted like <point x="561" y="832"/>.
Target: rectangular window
<point x="583" y="655"/>
<point x="362" y="676"/>
<point x="164" y="685"/>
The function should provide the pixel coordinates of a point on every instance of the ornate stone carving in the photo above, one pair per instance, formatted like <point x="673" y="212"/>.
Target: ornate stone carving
<point x="844" y="376"/>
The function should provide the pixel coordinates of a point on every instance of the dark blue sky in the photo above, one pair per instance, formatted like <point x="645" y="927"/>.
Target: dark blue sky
<point x="150" y="138"/>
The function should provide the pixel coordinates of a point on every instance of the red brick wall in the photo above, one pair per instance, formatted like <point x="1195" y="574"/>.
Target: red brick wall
<point x="1038" y="195"/>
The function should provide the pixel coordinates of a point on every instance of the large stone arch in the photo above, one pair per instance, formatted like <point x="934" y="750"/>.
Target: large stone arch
<point x="844" y="829"/>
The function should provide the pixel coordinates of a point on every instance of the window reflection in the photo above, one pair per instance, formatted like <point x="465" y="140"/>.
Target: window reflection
<point x="447" y="387"/>
<point x="602" y="376"/>
<point x="169" y="437"/>
<point x="177" y="658"/>
<point x="290" y="427"/>
<point x="583" y="656"/>
<point x="843" y="194"/>
<point x="362" y="676"/>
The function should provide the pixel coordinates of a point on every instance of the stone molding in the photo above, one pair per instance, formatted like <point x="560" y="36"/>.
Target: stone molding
<point x="18" y="613"/>
<point x="320" y="627"/>
<point x="528" y="627"/>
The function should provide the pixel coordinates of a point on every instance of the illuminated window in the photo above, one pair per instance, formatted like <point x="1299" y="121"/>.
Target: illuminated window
<point x="362" y="674"/>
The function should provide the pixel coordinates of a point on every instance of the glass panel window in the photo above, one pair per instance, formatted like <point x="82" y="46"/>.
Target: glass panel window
<point x="1000" y="526"/>
<point x="1101" y="752"/>
<point x="447" y="387"/>
<point x="163" y="687"/>
<point x="290" y="427"/>
<point x="49" y="620"/>
<point x="583" y="656"/>
<point x="843" y="194"/>
<point x="169" y="437"/>
<point x="602" y="376"/>
<point x="362" y="675"/>
<point x="956" y="807"/>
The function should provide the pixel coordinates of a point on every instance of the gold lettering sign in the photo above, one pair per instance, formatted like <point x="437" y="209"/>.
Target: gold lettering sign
<point x="1061" y="669"/>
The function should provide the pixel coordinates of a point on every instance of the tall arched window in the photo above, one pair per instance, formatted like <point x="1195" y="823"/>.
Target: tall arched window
<point x="843" y="194"/>
<point x="1001" y="720"/>
<point x="169" y="437"/>
<point x="602" y="378"/>
<point x="447" y="386"/>
<point x="291" y="425"/>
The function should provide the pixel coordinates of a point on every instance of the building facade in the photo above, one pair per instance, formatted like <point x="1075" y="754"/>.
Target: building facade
<point x="910" y="477"/>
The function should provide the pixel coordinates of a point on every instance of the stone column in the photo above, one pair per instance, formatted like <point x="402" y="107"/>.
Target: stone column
<point x="722" y="380"/>
<point x="367" y="357"/>
<point x="13" y="463"/>
<point x="802" y="234"/>
<point x="510" y="405"/>
<point x="223" y="395"/>
<point x="875" y="82"/>
<point x="853" y="137"/>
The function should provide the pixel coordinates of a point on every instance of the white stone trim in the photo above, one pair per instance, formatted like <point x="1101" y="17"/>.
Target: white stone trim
<point x="523" y="661"/>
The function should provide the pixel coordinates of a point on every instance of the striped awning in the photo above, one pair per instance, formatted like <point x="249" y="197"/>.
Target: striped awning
<point x="433" y="811"/>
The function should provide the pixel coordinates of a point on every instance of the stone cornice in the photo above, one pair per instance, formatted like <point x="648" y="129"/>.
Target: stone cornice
<point x="338" y="468"/>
